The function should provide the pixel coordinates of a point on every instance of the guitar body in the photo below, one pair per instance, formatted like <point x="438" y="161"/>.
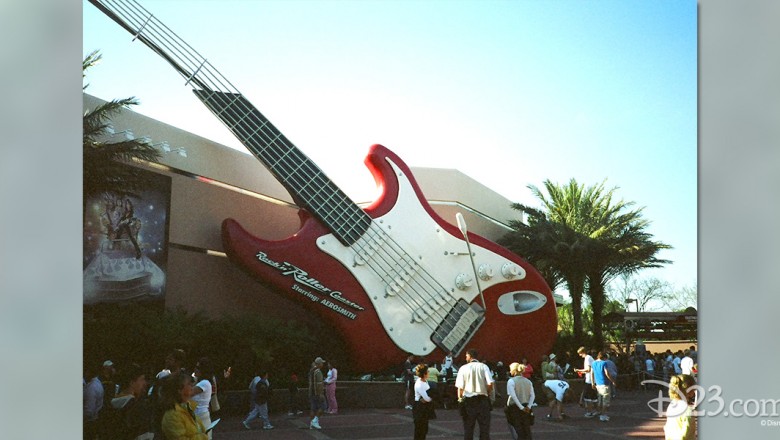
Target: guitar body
<point x="312" y="267"/>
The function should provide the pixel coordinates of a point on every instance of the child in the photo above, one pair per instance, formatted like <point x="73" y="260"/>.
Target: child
<point x="680" y="420"/>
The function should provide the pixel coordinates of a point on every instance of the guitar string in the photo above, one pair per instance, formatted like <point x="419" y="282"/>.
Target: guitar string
<point x="203" y="68"/>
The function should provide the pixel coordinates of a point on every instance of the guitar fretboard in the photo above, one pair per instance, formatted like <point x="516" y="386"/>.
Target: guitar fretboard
<point x="302" y="177"/>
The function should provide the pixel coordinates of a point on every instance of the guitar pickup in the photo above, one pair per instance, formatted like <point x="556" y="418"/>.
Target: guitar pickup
<point x="457" y="328"/>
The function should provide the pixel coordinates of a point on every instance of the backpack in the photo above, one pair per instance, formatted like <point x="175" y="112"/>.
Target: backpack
<point x="262" y="391"/>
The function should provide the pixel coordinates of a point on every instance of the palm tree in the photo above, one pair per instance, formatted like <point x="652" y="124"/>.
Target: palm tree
<point x="625" y="251"/>
<point x="583" y="238"/>
<point x="105" y="163"/>
<point x="556" y="250"/>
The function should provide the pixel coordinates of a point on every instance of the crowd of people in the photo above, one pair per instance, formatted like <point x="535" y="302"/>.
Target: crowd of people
<point x="125" y="402"/>
<point x="177" y="403"/>
<point x="602" y="371"/>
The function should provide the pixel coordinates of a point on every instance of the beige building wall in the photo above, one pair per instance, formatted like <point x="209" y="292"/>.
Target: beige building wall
<point x="214" y="182"/>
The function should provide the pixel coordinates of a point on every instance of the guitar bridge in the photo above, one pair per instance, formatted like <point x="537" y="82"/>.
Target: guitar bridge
<point x="457" y="328"/>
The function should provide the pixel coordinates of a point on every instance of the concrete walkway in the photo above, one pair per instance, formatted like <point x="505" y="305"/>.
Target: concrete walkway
<point x="630" y="417"/>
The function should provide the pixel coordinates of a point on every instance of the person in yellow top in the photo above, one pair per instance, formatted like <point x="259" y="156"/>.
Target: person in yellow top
<point x="680" y="415"/>
<point x="179" y="421"/>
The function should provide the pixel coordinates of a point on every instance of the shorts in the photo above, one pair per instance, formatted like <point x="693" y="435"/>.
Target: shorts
<point x="604" y="394"/>
<point x="550" y="394"/>
<point x="557" y="394"/>
<point x="589" y="394"/>
<point x="317" y="403"/>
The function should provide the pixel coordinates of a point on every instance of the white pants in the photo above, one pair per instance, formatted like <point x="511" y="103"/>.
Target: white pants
<point x="205" y="418"/>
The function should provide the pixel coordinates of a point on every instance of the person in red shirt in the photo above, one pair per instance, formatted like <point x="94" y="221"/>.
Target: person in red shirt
<point x="529" y="370"/>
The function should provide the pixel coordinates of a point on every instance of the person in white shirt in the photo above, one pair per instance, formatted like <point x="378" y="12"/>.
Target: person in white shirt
<point x="423" y="409"/>
<point x="519" y="403"/>
<point x="686" y="363"/>
<point x="202" y="391"/>
<point x="555" y="390"/>
<point x="589" y="396"/>
<point x="475" y="384"/>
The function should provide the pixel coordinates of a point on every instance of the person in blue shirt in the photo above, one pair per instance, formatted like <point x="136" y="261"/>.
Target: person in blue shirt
<point x="613" y="372"/>
<point x="601" y="380"/>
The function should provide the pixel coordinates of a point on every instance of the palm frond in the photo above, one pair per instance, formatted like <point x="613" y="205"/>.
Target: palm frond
<point x="105" y="163"/>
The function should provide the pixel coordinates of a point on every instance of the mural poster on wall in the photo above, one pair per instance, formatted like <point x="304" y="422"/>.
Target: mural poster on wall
<point x="126" y="244"/>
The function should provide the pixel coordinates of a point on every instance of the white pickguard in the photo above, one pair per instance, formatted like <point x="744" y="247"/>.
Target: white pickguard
<point x="443" y="256"/>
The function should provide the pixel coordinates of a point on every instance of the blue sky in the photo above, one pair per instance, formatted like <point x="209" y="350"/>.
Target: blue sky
<point x="508" y="92"/>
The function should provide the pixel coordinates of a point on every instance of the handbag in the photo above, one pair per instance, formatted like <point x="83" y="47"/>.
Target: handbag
<point x="214" y="402"/>
<point x="508" y="412"/>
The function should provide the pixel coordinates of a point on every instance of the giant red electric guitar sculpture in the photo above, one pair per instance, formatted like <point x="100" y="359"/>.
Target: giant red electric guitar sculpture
<point x="393" y="278"/>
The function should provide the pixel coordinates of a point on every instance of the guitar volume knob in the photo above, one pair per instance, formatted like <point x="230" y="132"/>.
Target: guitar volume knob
<point x="463" y="281"/>
<point x="510" y="270"/>
<point x="485" y="272"/>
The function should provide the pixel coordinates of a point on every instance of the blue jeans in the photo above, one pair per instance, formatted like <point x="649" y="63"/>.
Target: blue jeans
<point x="260" y="411"/>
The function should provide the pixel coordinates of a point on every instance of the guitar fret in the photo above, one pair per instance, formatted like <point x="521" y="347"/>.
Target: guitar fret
<point x="353" y="225"/>
<point x="257" y="129"/>
<point x="241" y="120"/>
<point x="340" y="212"/>
<point x="347" y="223"/>
<point x="224" y="107"/>
<point x="325" y="210"/>
<point x="289" y="172"/>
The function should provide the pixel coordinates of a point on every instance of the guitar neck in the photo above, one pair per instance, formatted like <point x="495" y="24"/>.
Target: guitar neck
<point x="300" y="176"/>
